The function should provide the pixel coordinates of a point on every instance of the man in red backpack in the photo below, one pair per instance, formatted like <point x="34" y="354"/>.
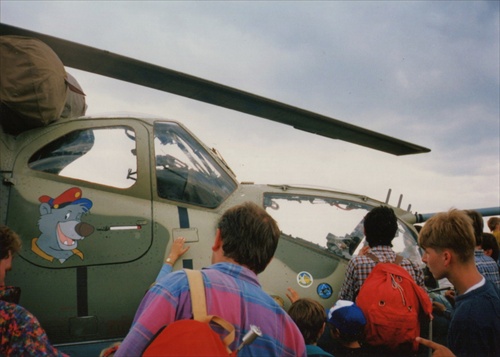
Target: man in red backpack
<point x="245" y="242"/>
<point x="380" y="225"/>
<point x="387" y="288"/>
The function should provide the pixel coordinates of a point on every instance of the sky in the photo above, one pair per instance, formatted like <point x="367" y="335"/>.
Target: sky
<point x="427" y="72"/>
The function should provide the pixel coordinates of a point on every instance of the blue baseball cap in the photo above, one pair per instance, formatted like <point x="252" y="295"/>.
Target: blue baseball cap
<point x="347" y="318"/>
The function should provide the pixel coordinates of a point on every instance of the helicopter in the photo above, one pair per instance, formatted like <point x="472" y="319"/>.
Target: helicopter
<point x="98" y="201"/>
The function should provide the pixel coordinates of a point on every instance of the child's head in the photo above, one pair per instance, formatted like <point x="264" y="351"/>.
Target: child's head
<point x="490" y="246"/>
<point x="347" y="321"/>
<point x="494" y="224"/>
<point x="310" y="317"/>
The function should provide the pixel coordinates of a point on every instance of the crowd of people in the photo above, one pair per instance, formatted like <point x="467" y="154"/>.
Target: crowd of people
<point x="466" y="318"/>
<point x="20" y="332"/>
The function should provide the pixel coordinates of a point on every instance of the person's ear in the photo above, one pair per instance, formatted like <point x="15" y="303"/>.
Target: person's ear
<point x="218" y="241"/>
<point x="334" y="332"/>
<point x="322" y="330"/>
<point x="447" y="257"/>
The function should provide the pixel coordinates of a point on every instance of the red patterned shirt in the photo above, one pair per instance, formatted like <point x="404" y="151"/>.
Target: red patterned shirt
<point x="20" y="331"/>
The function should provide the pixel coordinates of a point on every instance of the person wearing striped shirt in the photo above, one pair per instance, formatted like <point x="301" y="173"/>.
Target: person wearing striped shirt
<point x="245" y="242"/>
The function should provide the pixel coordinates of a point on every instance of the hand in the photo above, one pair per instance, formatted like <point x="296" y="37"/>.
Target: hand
<point x="438" y="350"/>
<point x="177" y="250"/>
<point x="292" y="295"/>
<point x="110" y="351"/>
<point x="438" y="308"/>
<point x="364" y="250"/>
<point x="450" y="296"/>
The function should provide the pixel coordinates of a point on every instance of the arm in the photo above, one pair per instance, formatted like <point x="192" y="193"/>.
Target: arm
<point x="438" y="350"/>
<point x="415" y="271"/>
<point x="165" y="270"/>
<point x="292" y="295"/>
<point x="176" y="251"/>
<point x="347" y="290"/>
<point x="158" y="308"/>
<point x="420" y="278"/>
<point x="22" y="333"/>
<point x="364" y="250"/>
<point x="450" y="296"/>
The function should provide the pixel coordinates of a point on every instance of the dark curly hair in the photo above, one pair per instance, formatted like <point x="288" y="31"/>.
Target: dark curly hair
<point x="9" y="242"/>
<point x="380" y="226"/>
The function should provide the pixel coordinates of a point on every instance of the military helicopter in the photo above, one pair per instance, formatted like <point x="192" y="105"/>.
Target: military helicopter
<point x="98" y="202"/>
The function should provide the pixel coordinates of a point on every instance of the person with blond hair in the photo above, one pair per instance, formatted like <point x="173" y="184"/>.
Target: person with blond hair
<point x="448" y="242"/>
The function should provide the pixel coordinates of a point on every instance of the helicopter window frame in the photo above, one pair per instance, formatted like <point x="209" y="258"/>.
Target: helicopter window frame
<point x="186" y="171"/>
<point x="94" y="155"/>
<point x="302" y="220"/>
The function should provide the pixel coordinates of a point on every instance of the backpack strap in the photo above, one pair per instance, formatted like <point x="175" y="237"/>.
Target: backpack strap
<point x="398" y="261"/>
<point x="373" y="257"/>
<point x="199" y="305"/>
<point x="197" y="290"/>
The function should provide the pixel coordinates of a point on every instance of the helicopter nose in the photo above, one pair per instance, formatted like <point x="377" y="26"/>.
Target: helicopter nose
<point x="84" y="229"/>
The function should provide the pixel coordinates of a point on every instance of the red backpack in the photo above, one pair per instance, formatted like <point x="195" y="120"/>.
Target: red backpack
<point x="391" y="302"/>
<point x="193" y="337"/>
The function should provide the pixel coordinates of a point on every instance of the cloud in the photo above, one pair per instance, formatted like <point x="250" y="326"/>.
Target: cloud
<point x="425" y="72"/>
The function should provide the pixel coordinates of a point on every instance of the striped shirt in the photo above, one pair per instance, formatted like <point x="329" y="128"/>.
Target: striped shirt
<point x="165" y="269"/>
<point x="360" y="267"/>
<point x="233" y="293"/>
<point x="487" y="267"/>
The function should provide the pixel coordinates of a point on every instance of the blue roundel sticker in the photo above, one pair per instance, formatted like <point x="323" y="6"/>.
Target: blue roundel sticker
<point x="324" y="290"/>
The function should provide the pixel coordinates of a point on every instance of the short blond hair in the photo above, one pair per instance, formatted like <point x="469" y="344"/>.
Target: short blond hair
<point x="450" y="230"/>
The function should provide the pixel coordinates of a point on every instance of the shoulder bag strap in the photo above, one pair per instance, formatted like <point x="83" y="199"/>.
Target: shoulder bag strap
<point x="373" y="257"/>
<point x="399" y="259"/>
<point x="199" y="305"/>
<point x="197" y="290"/>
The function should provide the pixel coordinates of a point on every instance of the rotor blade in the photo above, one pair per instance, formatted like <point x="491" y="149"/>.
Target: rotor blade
<point x="485" y="212"/>
<point x="130" y="70"/>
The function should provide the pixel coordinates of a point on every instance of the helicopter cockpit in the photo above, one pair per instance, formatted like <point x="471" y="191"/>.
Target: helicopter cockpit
<point x="185" y="171"/>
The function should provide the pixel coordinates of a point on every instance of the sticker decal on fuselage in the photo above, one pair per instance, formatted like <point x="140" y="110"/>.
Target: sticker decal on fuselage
<point x="324" y="290"/>
<point x="61" y="225"/>
<point x="304" y="279"/>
